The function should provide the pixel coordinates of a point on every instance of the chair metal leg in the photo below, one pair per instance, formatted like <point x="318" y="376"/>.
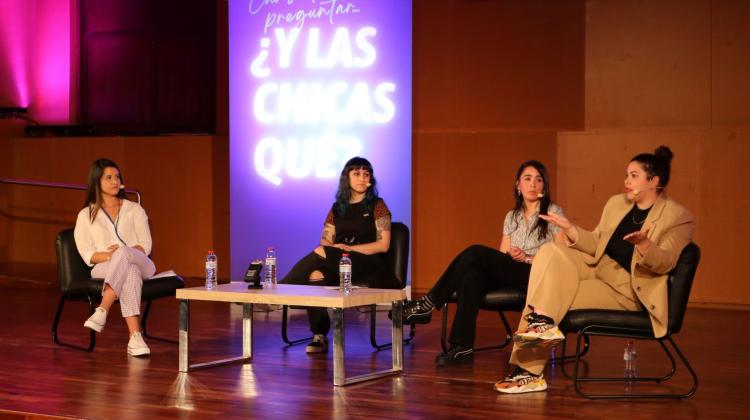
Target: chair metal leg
<point x="693" y="375"/>
<point x="508" y="335"/>
<point x="56" y="322"/>
<point x="284" y="322"/>
<point x="671" y="373"/>
<point x="563" y="358"/>
<point x="144" y="331"/>
<point x="577" y="379"/>
<point x="444" y="333"/>
<point x="373" y="337"/>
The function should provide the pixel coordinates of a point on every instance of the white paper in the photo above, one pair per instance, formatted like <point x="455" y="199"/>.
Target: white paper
<point x="168" y="273"/>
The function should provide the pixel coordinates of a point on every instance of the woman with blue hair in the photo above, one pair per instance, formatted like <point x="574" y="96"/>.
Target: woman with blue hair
<point x="358" y="223"/>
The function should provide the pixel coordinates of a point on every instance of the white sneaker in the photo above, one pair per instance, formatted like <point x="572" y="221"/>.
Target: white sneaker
<point x="541" y="332"/>
<point x="136" y="345"/>
<point x="97" y="320"/>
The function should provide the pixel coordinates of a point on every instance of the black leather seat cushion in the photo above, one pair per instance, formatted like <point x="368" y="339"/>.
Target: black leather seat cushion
<point x="579" y="319"/>
<point x="501" y="299"/>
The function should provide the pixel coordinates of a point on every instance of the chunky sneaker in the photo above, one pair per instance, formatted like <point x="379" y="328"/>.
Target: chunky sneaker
<point x="319" y="344"/>
<point x="136" y="345"/>
<point x="521" y="381"/>
<point x="455" y="355"/>
<point x="541" y="331"/>
<point x="418" y="311"/>
<point x="97" y="320"/>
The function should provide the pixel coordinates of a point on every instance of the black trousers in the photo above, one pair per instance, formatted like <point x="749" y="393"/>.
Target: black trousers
<point x="475" y="271"/>
<point x="367" y="270"/>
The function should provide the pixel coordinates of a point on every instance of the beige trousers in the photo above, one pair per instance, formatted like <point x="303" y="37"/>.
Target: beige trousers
<point x="561" y="280"/>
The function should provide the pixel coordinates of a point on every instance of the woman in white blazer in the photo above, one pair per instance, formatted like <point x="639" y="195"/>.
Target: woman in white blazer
<point x="113" y="237"/>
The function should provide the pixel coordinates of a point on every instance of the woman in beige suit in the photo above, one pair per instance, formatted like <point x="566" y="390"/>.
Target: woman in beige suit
<point x="622" y="264"/>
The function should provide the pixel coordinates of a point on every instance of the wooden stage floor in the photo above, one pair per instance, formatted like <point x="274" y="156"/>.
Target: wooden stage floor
<point x="38" y="377"/>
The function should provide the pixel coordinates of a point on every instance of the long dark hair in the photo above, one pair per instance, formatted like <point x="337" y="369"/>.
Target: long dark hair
<point x="93" y="192"/>
<point x="541" y="225"/>
<point x="344" y="193"/>
<point x="658" y="164"/>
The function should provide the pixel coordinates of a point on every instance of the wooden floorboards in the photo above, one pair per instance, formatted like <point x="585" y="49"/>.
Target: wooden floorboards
<point x="38" y="377"/>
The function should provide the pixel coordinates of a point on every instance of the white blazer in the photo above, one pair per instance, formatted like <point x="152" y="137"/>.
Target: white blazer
<point x="131" y="230"/>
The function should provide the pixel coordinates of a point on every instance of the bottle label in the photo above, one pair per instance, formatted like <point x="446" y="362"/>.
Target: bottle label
<point x="345" y="269"/>
<point x="210" y="265"/>
<point x="270" y="261"/>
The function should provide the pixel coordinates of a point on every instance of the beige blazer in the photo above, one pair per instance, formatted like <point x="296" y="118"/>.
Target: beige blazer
<point x="670" y="228"/>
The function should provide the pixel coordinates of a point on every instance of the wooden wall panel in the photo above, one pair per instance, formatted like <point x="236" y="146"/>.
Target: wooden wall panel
<point x="175" y="175"/>
<point x="8" y="129"/>
<point x="489" y="65"/>
<point x="648" y="63"/>
<point x="722" y="218"/>
<point x="730" y="62"/>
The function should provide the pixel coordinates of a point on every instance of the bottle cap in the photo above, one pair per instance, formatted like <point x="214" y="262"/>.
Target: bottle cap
<point x="345" y="254"/>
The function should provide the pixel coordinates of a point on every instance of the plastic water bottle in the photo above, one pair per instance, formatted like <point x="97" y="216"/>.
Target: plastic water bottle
<point x="345" y="274"/>
<point x="629" y="356"/>
<point x="211" y="270"/>
<point x="270" y="274"/>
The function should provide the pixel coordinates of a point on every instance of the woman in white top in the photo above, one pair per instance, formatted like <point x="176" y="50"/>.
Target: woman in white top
<point x="113" y="237"/>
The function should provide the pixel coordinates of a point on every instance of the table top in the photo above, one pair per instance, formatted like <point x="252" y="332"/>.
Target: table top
<point x="292" y="294"/>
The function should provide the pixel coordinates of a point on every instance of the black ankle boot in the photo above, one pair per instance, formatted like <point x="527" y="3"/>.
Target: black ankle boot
<point x="418" y="311"/>
<point x="455" y="355"/>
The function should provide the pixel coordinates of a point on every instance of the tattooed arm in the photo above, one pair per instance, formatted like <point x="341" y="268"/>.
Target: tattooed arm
<point x="329" y="235"/>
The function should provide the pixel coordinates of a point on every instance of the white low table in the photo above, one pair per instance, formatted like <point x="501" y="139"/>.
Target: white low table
<point x="297" y="295"/>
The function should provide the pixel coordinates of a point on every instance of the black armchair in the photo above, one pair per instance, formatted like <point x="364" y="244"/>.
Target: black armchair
<point x="397" y="258"/>
<point x="637" y="325"/>
<point x="76" y="284"/>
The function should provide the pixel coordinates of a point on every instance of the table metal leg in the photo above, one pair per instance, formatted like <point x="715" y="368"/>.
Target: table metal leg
<point x="397" y="349"/>
<point x="247" y="339"/>
<point x="339" y="370"/>
<point x="247" y="331"/>
<point x="397" y="336"/>
<point x="184" y="339"/>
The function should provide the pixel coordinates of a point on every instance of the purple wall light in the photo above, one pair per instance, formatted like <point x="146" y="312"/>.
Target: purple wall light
<point x="311" y="85"/>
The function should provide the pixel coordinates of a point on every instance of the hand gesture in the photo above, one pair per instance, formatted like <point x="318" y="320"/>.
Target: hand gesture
<point x="560" y="221"/>
<point x="637" y="237"/>
<point x="344" y="247"/>
<point x="517" y="254"/>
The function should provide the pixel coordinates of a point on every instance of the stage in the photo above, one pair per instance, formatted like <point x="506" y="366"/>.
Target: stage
<point x="40" y="378"/>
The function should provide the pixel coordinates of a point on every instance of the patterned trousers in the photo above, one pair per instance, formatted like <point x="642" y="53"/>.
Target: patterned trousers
<point x="124" y="273"/>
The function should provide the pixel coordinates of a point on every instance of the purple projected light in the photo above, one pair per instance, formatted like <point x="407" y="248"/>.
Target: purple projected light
<point x="35" y="54"/>
<point x="52" y="69"/>
<point x="312" y="84"/>
<point x="16" y="31"/>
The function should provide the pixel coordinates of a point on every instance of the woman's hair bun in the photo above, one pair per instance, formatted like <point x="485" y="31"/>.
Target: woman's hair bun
<point x="665" y="153"/>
